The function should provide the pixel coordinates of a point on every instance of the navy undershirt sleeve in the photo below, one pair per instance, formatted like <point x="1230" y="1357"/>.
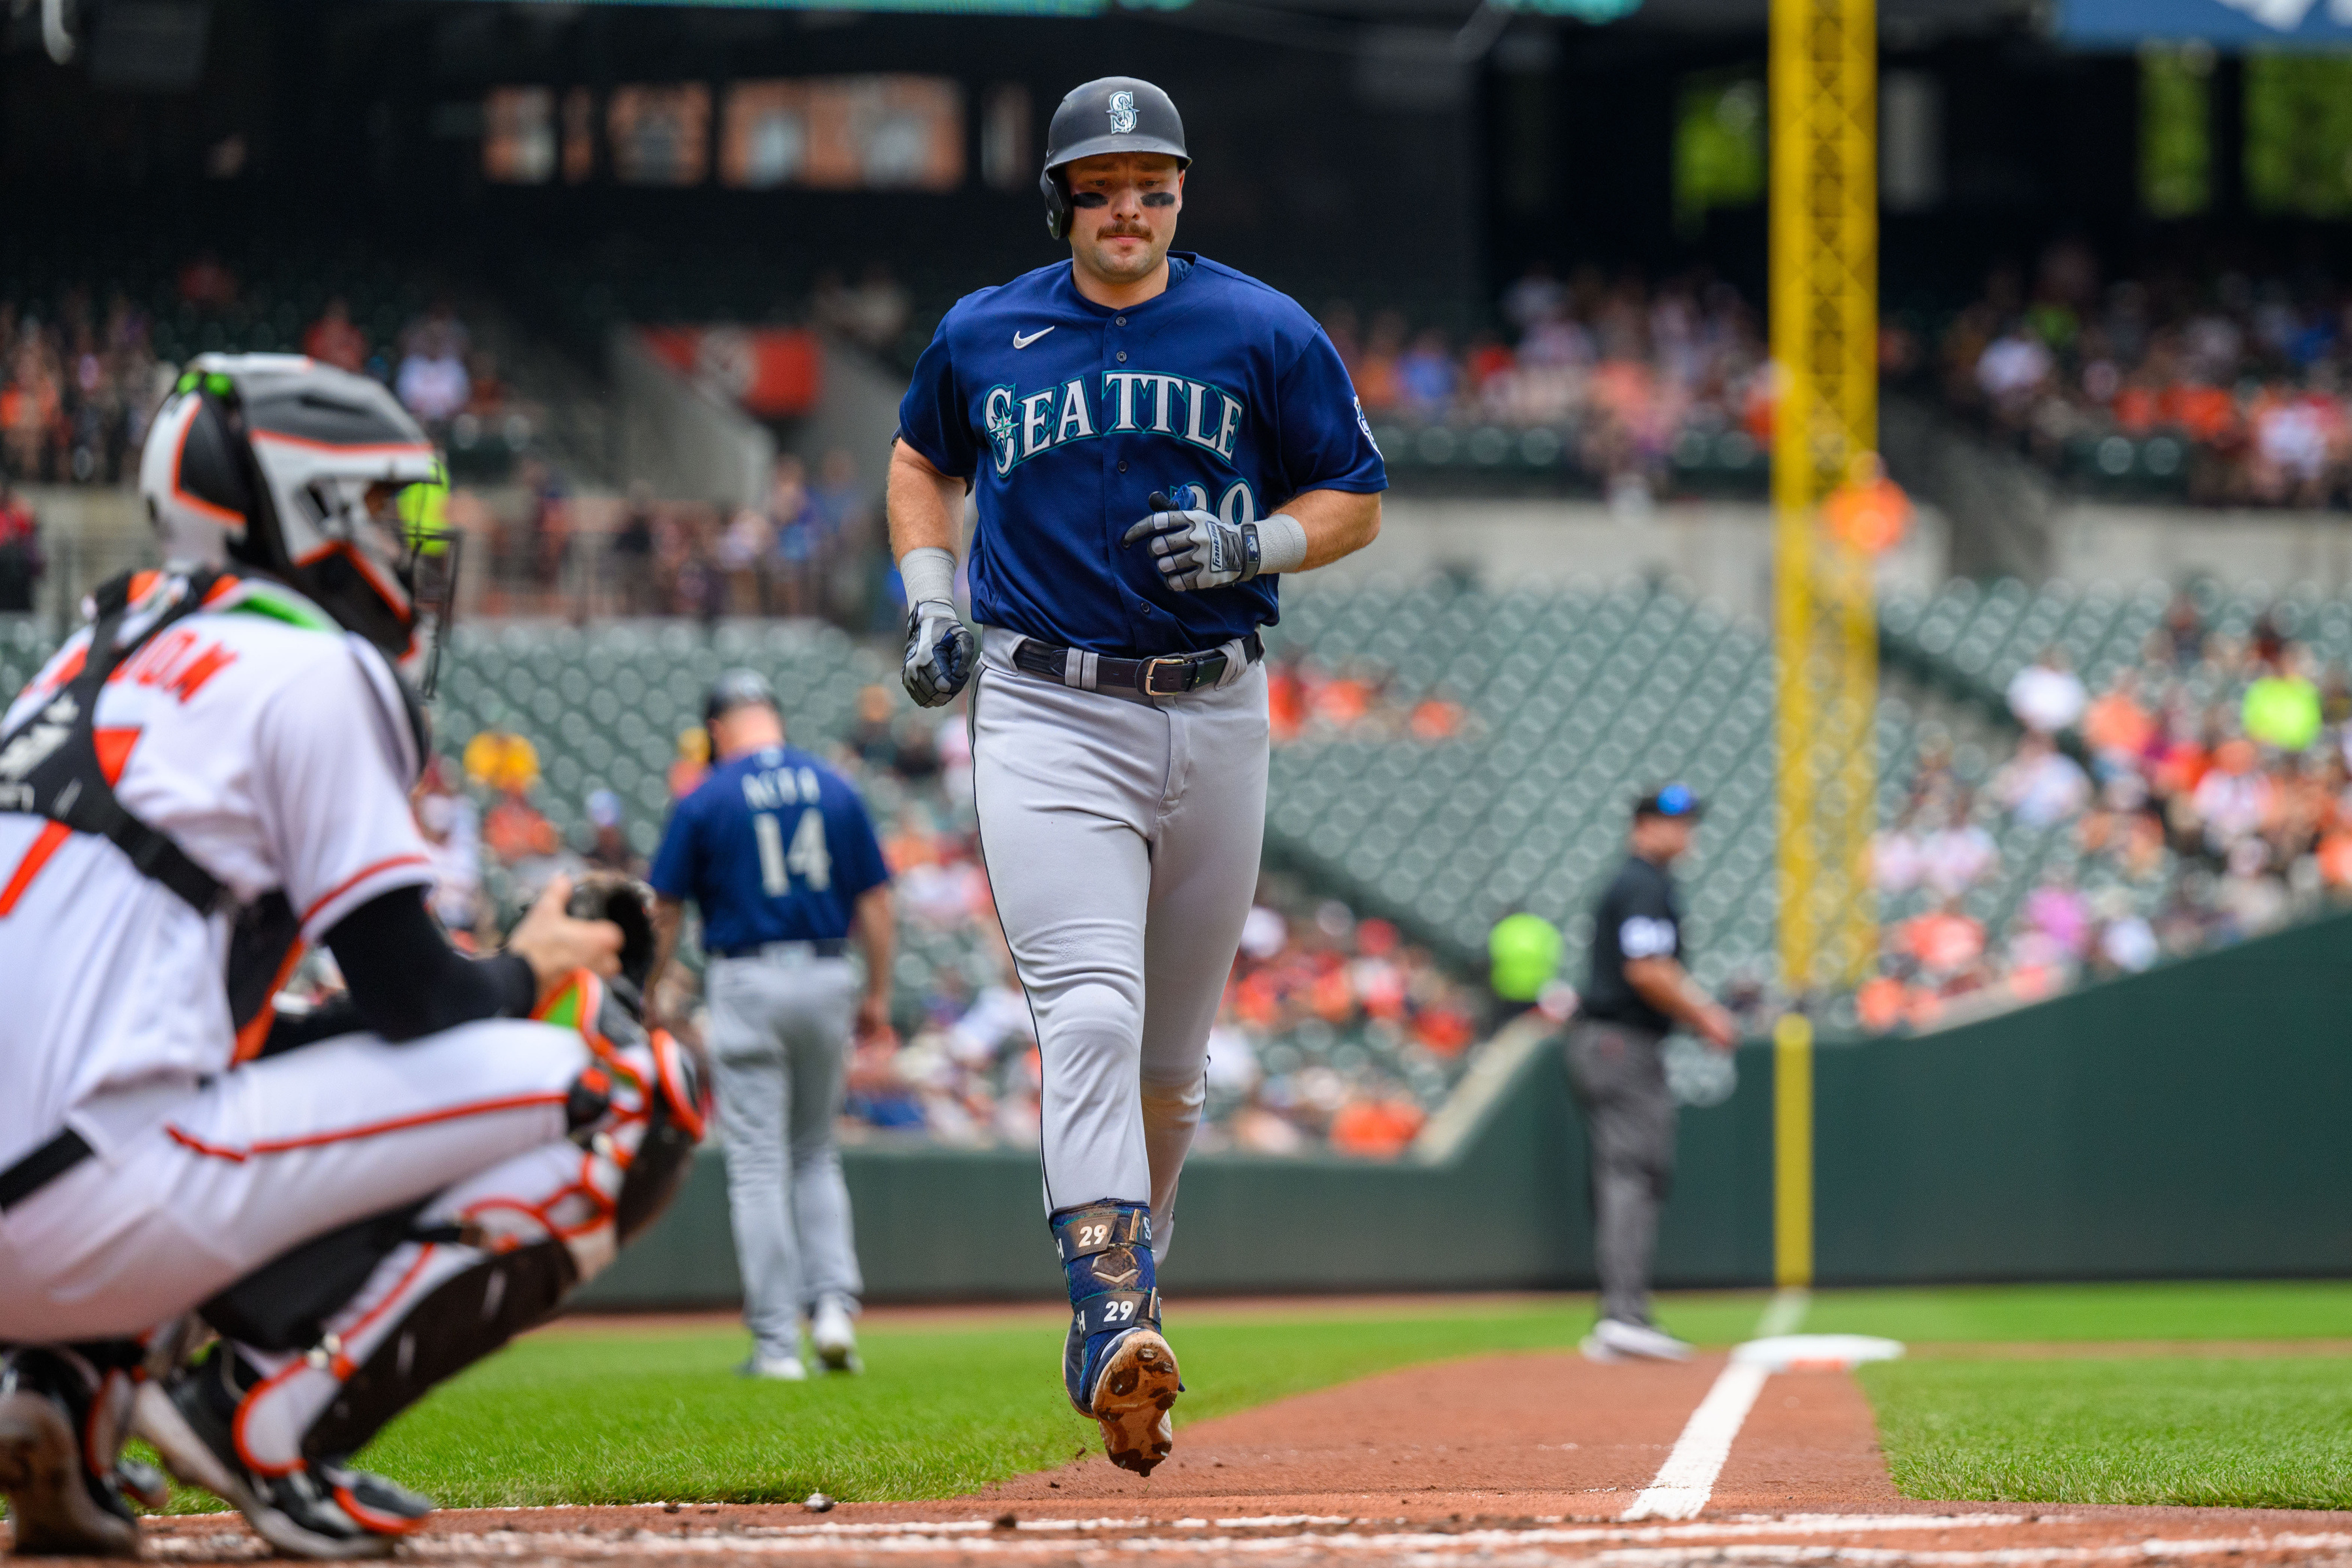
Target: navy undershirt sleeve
<point x="407" y="982"/>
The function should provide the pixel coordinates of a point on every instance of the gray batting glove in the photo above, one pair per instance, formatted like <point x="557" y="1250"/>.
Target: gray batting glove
<point x="940" y="653"/>
<point x="1196" y="549"/>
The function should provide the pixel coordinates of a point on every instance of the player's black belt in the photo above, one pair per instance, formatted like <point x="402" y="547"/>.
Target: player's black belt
<point x="829" y="947"/>
<point x="42" y="1166"/>
<point x="1166" y="675"/>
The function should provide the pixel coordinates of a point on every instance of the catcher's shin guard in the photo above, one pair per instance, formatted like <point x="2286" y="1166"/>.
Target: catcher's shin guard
<point x="268" y="1422"/>
<point x="1116" y="1364"/>
<point x="63" y="1416"/>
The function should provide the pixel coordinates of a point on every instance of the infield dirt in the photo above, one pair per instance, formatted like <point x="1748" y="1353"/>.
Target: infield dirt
<point x="1509" y="1459"/>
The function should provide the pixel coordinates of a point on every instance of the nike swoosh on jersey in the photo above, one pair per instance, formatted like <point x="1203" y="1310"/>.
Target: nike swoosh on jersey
<point x="1021" y="343"/>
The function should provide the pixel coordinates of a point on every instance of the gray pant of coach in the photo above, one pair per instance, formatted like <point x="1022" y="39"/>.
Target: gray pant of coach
<point x="1619" y="1073"/>
<point x="780" y="1037"/>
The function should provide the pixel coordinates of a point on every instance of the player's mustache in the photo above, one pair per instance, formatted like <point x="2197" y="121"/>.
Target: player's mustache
<point x="1126" y="231"/>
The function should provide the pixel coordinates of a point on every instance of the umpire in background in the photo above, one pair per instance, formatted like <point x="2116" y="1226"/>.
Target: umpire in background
<point x="1638" y="992"/>
<point x="778" y="854"/>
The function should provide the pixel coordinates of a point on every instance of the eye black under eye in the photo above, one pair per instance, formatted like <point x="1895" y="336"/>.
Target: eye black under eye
<point x="1088" y="199"/>
<point x="1160" y="198"/>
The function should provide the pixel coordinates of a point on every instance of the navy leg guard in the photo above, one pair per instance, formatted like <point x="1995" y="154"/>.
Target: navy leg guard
<point x="1113" y="1283"/>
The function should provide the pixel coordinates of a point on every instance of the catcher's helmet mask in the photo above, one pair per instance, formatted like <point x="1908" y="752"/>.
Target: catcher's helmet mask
<point x="1110" y="114"/>
<point x="313" y="477"/>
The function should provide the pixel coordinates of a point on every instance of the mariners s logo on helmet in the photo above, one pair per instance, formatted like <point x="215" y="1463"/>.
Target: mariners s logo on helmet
<point x="1122" y="113"/>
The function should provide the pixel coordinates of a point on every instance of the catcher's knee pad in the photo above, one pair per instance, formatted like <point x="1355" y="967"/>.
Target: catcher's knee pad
<point x="676" y="1118"/>
<point x="284" y="1304"/>
<point x="465" y="1318"/>
<point x="655" y="1097"/>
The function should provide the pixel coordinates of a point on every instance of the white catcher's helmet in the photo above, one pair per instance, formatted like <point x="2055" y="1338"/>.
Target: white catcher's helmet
<point x="308" y="474"/>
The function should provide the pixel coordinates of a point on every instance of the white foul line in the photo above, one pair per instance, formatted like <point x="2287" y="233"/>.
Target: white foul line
<point x="1785" y="1313"/>
<point x="1685" y="1482"/>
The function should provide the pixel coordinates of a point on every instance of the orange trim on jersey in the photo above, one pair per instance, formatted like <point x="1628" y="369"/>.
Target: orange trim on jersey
<point x="113" y="747"/>
<point x="361" y="875"/>
<point x="255" y="1033"/>
<point x="44" y="845"/>
<point x="368" y="1130"/>
<point x="143" y="584"/>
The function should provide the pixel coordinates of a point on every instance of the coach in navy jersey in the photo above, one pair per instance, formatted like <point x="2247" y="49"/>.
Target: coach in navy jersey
<point x="778" y="854"/>
<point x="1150" y="438"/>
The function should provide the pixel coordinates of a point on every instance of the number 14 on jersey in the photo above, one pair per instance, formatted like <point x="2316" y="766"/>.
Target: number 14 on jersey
<point x="771" y="795"/>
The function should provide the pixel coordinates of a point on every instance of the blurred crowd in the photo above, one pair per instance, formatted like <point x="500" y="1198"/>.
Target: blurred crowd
<point x="1336" y="1034"/>
<point x="2207" y="792"/>
<point x="77" y="389"/>
<point x="1305" y="700"/>
<point x="78" y="383"/>
<point x="1621" y="369"/>
<point x="2247" y="375"/>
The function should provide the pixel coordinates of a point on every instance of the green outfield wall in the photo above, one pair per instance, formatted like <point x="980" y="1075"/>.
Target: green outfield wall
<point x="2194" y="1121"/>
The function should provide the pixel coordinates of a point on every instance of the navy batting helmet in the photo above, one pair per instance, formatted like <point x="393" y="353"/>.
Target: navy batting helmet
<point x="1110" y="114"/>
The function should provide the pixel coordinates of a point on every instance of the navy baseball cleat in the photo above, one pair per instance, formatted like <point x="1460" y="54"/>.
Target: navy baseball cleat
<point x="58" y="1505"/>
<point x="1116" y="1364"/>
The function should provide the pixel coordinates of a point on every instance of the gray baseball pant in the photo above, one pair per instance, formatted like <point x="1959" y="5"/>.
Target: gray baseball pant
<point x="1121" y="835"/>
<point x="1619" y="1073"/>
<point x="780" y="1035"/>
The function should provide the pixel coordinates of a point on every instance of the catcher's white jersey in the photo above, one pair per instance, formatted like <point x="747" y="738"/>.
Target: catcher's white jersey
<point x="274" y="748"/>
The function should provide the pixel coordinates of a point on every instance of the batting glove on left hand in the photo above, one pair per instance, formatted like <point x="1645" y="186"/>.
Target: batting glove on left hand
<point x="939" y="650"/>
<point x="1196" y="549"/>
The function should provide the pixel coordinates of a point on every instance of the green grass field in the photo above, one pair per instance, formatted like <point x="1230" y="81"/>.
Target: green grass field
<point x="629" y="1413"/>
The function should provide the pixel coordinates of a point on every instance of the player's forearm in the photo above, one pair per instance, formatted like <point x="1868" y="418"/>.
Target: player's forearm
<point x="1338" y="524"/>
<point x="925" y="505"/>
<point x="1665" y="985"/>
<point x="876" y="925"/>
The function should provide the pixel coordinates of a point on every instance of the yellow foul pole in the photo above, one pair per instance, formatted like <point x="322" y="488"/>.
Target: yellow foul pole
<point x="1824" y="318"/>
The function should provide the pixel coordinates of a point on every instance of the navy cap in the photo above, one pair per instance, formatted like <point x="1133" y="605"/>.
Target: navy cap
<point x="738" y="688"/>
<point x="1677" y="800"/>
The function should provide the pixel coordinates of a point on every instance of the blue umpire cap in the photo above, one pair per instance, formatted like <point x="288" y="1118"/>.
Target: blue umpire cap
<point x="1675" y="800"/>
<point x="738" y="688"/>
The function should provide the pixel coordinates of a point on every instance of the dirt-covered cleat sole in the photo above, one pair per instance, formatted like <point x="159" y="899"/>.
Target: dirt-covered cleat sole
<point x="1134" y="1388"/>
<point x="49" y="1506"/>
<point x="297" y="1513"/>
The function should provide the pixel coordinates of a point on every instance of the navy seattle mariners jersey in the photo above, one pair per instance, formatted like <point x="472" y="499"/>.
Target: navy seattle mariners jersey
<point x="1066" y="414"/>
<point x="772" y="847"/>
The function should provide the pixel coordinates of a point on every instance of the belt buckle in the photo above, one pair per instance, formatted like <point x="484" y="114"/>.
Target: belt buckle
<point x="1183" y="663"/>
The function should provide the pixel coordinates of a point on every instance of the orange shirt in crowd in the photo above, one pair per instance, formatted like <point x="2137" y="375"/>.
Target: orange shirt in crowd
<point x="1942" y="939"/>
<point x="2205" y="413"/>
<point x="2117" y="723"/>
<point x="516" y="831"/>
<point x="2336" y="858"/>
<point x="1380" y="1128"/>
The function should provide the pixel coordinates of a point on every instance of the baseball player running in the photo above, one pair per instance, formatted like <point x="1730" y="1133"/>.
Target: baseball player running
<point x="777" y="851"/>
<point x="1152" y="438"/>
<point x="211" y="777"/>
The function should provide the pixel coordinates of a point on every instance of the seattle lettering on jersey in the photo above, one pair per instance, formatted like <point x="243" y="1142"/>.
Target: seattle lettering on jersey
<point x="1022" y="425"/>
